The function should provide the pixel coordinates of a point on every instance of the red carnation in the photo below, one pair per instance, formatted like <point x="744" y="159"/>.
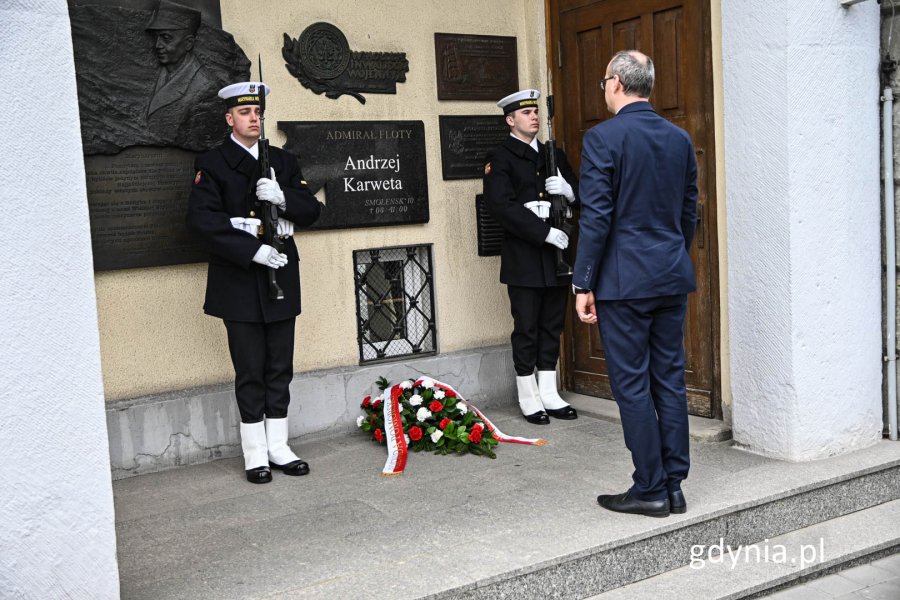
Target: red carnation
<point x="379" y="435"/>
<point x="449" y="394"/>
<point x="415" y="434"/>
<point x="436" y="406"/>
<point x="367" y="401"/>
<point x="478" y="426"/>
<point x="444" y="422"/>
<point x="377" y="404"/>
<point x="475" y="436"/>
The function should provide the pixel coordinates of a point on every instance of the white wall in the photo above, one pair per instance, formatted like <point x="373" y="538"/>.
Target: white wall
<point x="802" y="185"/>
<point x="57" y="535"/>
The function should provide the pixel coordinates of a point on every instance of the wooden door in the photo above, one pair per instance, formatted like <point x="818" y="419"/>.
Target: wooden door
<point x="676" y="35"/>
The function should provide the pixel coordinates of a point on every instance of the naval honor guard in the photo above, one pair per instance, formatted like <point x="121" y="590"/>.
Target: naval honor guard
<point x="516" y="190"/>
<point x="228" y="197"/>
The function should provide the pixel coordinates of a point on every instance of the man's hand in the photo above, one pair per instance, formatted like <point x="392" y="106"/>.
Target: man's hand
<point x="585" y="308"/>
<point x="268" y="190"/>
<point x="558" y="238"/>
<point x="558" y="186"/>
<point x="268" y="256"/>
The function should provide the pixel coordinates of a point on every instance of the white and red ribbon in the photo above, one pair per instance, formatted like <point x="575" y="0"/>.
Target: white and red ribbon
<point x="396" y="439"/>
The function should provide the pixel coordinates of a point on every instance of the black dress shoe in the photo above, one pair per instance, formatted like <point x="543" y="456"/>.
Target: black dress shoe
<point x="538" y="418"/>
<point x="677" y="503"/>
<point x="625" y="503"/>
<point x="259" y="475"/>
<point x="295" y="467"/>
<point x="567" y="413"/>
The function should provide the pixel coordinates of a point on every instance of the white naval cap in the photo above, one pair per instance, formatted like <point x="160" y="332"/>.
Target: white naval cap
<point x="520" y="99"/>
<point x="246" y="92"/>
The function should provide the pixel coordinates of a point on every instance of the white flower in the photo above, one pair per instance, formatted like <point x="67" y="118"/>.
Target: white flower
<point x="359" y="420"/>
<point x="439" y="394"/>
<point x="438" y="434"/>
<point x="427" y="383"/>
<point x="423" y="413"/>
<point x="416" y="400"/>
<point x="462" y="408"/>
<point x="406" y="437"/>
<point x="406" y="385"/>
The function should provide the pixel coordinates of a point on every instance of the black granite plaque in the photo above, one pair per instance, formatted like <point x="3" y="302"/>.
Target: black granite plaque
<point x="373" y="172"/>
<point x="475" y="67"/>
<point x="465" y="141"/>
<point x="138" y="199"/>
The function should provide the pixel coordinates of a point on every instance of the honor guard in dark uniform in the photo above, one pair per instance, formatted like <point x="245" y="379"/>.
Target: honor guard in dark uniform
<point x="226" y="202"/>
<point x="516" y="190"/>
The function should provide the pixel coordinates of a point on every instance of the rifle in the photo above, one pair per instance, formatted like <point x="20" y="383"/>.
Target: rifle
<point x="559" y="205"/>
<point x="269" y="210"/>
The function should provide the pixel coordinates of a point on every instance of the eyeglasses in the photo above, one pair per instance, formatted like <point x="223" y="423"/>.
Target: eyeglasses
<point x="604" y="80"/>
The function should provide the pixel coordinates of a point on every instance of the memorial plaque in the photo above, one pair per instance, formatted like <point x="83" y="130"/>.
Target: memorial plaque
<point x="147" y="82"/>
<point x="466" y="140"/>
<point x="374" y="172"/>
<point x="138" y="200"/>
<point x="321" y="59"/>
<point x="475" y="67"/>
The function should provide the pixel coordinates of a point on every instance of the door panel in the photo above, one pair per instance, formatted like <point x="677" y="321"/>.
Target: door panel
<point x="587" y="34"/>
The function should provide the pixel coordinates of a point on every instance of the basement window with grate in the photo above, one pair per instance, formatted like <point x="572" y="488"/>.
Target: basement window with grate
<point x="394" y="303"/>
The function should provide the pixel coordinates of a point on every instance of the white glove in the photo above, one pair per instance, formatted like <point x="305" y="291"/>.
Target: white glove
<point x="539" y="207"/>
<point x="268" y="256"/>
<point x="285" y="228"/>
<point x="558" y="186"/>
<point x="269" y="191"/>
<point x="558" y="238"/>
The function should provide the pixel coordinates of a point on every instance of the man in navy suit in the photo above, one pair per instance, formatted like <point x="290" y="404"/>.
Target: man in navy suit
<point x="633" y="273"/>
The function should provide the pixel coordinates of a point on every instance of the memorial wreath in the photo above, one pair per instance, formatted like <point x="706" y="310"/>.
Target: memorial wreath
<point x="424" y="414"/>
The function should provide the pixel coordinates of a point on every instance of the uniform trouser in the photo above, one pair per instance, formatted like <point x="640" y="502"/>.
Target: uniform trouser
<point x="538" y="317"/>
<point x="643" y="343"/>
<point x="263" y="359"/>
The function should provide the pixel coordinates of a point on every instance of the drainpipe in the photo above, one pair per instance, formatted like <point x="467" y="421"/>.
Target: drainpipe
<point x="890" y="242"/>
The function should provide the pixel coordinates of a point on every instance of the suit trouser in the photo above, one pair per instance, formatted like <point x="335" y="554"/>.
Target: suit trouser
<point x="263" y="359"/>
<point x="643" y="342"/>
<point x="538" y="317"/>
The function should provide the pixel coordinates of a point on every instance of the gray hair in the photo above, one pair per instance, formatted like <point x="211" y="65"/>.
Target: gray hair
<point x="635" y="71"/>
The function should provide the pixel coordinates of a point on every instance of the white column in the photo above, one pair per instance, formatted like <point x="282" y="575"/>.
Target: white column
<point x="57" y="533"/>
<point x="803" y="228"/>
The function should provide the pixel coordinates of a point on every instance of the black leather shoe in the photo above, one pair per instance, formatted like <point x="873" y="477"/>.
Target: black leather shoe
<point x="295" y="467"/>
<point x="259" y="475"/>
<point x="538" y="418"/>
<point x="566" y="413"/>
<point x="624" y="503"/>
<point x="677" y="503"/>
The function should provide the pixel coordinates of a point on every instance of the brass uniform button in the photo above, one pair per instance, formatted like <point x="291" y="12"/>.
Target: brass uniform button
<point x="541" y="195"/>
<point x="252" y="214"/>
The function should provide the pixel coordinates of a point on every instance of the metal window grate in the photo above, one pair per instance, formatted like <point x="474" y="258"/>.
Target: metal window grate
<point x="394" y="302"/>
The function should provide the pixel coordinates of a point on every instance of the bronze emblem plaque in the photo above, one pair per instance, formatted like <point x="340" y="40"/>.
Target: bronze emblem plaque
<point x="475" y="67"/>
<point x="465" y="141"/>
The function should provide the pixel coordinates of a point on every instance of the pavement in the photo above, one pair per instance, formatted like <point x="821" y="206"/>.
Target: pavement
<point x="346" y="531"/>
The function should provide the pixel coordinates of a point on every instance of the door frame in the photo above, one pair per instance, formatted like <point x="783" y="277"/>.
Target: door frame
<point x="708" y="142"/>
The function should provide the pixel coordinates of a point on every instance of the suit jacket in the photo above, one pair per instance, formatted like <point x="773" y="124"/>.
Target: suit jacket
<point x="237" y="289"/>
<point x="638" y="207"/>
<point x="514" y="175"/>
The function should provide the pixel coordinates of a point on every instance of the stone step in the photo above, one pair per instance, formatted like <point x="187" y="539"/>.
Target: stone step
<point x="837" y="508"/>
<point x="781" y="561"/>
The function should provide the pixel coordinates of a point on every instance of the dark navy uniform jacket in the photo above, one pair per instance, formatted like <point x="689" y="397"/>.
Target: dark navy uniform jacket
<point x="638" y="207"/>
<point x="237" y="288"/>
<point x="515" y="175"/>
